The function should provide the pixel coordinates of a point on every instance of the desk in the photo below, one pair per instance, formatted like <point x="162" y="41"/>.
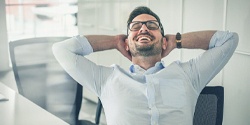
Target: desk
<point x="20" y="111"/>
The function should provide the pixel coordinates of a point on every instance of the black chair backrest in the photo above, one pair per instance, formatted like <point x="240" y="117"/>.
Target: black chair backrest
<point x="209" y="107"/>
<point x="41" y="79"/>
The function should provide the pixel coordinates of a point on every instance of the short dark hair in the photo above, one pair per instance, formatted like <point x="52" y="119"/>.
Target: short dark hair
<point x="144" y="10"/>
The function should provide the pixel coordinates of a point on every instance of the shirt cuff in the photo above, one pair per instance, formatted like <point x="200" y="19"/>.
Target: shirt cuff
<point x="85" y="45"/>
<point x="219" y="38"/>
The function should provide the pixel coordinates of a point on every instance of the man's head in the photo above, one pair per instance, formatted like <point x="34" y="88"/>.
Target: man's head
<point x="145" y="33"/>
<point x="144" y="10"/>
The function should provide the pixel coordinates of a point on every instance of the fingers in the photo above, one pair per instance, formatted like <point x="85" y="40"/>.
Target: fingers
<point x="121" y="46"/>
<point x="126" y="53"/>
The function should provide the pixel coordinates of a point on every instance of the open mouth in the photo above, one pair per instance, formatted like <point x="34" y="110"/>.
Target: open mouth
<point x="144" y="38"/>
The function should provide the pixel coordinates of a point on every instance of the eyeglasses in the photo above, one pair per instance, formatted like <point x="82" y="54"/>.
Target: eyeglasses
<point x="150" y="24"/>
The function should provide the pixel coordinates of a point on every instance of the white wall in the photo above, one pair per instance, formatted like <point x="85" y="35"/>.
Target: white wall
<point x="4" y="60"/>
<point x="185" y="16"/>
<point x="236" y="78"/>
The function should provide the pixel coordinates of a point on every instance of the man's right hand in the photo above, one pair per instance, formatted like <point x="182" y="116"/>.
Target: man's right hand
<point x="121" y="46"/>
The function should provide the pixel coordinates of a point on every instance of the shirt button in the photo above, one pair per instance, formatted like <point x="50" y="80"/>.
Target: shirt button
<point x="150" y="106"/>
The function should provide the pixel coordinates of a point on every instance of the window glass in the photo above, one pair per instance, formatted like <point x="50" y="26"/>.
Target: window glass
<point x="37" y="18"/>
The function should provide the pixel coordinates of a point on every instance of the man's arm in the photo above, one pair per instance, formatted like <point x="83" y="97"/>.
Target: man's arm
<point x="70" y="54"/>
<point x="220" y="46"/>
<point x="102" y="42"/>
<point x="191" y="40"/>
<point x="105" y="42"/>
<point x="197" y="40"/>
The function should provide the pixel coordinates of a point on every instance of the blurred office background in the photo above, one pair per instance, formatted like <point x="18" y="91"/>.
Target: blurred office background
<point x="35" y="18"/>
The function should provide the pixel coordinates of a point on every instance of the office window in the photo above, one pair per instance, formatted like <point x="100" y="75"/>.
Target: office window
<point x="36" y="18"/>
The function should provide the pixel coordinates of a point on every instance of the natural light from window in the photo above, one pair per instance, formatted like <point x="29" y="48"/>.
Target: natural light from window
<point x="39" y="18"/>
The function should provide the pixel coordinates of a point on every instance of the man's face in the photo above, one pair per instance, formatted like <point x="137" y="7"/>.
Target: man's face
<point x="143" y="41"/>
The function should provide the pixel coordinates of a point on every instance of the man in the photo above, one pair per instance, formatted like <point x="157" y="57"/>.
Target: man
<point x="150" y="93"/>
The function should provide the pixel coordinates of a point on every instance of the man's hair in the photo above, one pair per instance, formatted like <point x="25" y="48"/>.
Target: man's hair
<point x="144" y="10"/>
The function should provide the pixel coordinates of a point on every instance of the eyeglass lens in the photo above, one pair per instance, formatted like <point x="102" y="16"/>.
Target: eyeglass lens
<point x="151" y="25"/>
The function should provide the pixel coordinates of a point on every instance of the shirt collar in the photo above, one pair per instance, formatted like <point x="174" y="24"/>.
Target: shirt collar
<point x="137" y="69"/>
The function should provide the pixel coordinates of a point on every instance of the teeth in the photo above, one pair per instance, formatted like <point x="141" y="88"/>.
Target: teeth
<point x="144" y="38"/>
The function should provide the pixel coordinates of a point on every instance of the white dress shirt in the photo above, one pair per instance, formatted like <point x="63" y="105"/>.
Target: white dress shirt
<point x="161" y="95"/>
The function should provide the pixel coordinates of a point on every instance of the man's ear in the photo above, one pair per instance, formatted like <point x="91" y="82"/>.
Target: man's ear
<point x="126" y="44"/>
<point x="164" y="43"/>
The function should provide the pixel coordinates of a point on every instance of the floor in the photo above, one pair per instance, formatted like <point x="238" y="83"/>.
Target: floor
<point x="88" y="108"/>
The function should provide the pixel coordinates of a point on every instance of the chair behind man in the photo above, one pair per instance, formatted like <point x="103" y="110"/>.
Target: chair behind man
<point x="209" y="107"/>
<point x="42" y="80"/>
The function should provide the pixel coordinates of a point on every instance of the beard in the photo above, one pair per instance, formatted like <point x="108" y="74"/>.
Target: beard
<point x="147" y="50"/>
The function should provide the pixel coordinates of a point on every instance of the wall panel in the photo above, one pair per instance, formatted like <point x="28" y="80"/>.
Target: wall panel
<point x="202" y="14"/>
<point x="237" y="83"/>
<point x="87" y="17"/>
<point x="4" y="60"/>
<point x="238" y="19"/>
<point x="236" y="74"/>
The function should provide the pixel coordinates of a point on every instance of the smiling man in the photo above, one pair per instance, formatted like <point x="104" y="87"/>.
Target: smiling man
<point x="150" y="93"/>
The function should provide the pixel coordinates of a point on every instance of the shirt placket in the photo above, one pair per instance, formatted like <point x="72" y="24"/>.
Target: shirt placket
<point x="153" y="111"/>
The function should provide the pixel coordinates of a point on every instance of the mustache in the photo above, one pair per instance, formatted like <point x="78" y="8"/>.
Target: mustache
<point x="144" y="34"/>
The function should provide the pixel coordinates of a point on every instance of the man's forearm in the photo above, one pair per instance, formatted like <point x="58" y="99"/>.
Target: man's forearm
<point x="102" y="42"/>
<point x="192" y="40"/>
<point x="197" y="40"/>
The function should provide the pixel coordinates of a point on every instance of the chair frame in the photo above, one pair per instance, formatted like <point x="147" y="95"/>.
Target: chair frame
<point x="13" y="44"/>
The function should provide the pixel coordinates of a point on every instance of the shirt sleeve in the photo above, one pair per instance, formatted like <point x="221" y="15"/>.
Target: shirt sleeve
<point x="204" y="68"/>
<point x="70" y="55"/>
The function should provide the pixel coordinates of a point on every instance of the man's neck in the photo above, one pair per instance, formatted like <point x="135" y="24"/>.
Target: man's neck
<point x="146" y="62"/>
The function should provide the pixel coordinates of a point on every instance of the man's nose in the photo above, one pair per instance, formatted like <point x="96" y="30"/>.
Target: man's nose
<point x="144" y="28"/>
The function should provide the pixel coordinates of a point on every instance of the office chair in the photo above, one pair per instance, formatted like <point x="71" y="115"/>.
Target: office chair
<point x="209" y="107"/>
<point x="41" y="79"/>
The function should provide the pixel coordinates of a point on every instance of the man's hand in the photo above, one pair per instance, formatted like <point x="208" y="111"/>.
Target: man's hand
<point x="121" y="46"/>
<point x="170" y="45"/>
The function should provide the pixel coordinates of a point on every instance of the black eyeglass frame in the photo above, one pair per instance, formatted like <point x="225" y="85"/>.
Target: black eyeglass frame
<point x="145" y="22"/>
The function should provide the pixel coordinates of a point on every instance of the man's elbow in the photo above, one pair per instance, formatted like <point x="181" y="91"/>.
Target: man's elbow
<point x="235" y="39"/>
